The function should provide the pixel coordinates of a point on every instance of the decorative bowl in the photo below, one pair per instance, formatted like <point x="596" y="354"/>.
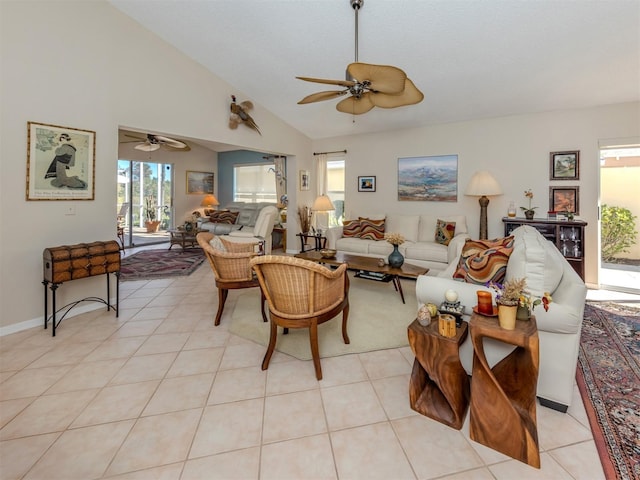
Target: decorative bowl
<point x="328" y="253"/>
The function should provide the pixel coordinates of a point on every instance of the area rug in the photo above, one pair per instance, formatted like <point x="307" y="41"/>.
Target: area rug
<point x="150" y="264"/>
<point x="608" y="377"/>
<point x="377" y="320"/>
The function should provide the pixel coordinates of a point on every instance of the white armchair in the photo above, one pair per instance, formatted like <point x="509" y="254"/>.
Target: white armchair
<point x="261" y="231"/>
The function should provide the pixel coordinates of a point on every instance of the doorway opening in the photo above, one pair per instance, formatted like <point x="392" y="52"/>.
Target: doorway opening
<point x="145" y="201"/>
<point x="619" y="223"/>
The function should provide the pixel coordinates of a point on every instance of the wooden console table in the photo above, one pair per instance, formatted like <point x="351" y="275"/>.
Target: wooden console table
<point x="439" y="385"/>
<point x="503" y="398"/>
<point x="73" y="262"/>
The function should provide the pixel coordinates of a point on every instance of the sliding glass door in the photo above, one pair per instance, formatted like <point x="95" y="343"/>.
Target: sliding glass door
<point x="145" y="201"/>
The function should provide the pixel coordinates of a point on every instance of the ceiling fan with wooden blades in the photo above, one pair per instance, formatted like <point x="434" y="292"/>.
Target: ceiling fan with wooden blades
<point x="369" y="85"/>
<point x="154" y="142"/>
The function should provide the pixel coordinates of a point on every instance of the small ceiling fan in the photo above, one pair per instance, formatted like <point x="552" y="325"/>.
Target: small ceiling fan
<point x="370" y="85"/>
<point x="154" y="142"/>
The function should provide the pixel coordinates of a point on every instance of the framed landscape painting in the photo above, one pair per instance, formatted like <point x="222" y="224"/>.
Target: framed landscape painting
<point x="199" y="183"/>
<point x="432" y="179"/>
<point x="564" y="199"/>
<point x="564" y="165"/>
<point x="60" y="162"/>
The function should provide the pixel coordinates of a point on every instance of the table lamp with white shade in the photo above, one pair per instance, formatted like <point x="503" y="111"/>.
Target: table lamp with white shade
<point x="483" y="185"/>
<point x="322" y="204"/>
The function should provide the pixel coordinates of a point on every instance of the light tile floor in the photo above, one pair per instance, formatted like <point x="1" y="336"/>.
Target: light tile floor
<point x="159" y="393"/>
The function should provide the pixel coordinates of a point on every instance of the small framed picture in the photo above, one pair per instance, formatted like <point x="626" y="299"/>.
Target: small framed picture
<point x="367" y="184"/>
<point x="564" y="165"/>
<point x="199" y="183"/>
<point x="60" y="162"/>
<point x="304" y="180"/>
<point x="564" y="199"/>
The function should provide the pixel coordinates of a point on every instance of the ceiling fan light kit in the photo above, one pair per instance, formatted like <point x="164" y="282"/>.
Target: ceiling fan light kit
<point x="369" y="85"/>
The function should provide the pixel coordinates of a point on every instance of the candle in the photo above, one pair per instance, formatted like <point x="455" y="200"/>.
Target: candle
<point x="485" y="303"/>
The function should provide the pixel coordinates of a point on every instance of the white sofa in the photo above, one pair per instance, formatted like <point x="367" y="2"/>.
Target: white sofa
<point x="420" y="247"/>
<point x="247" y="216"/>
<point x="255" y="221"/>
<point x="546" y="270"/>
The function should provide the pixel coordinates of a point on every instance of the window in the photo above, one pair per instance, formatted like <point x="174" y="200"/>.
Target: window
<point x="254" y="183"/>
<point x="335" y="190"/>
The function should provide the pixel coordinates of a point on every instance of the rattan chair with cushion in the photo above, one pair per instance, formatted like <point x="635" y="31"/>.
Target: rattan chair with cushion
<point x="302" y="294"/>
<point x="231" y="268"/>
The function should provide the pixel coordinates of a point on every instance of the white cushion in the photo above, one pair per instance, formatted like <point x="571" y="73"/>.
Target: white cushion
<point x="406" y="225"/>
<point x="428" y="251"/>
<point x="535" y="259"/>
<point x="217" y="244"/>
<point x="352" y="245"/>
<point x="381" y="247"/>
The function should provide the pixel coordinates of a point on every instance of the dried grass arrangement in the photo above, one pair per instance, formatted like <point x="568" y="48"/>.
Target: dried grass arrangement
<point x="304" y="214"/>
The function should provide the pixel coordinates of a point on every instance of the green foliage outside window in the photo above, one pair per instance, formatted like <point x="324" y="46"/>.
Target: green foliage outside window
<point x="618" y="232"/>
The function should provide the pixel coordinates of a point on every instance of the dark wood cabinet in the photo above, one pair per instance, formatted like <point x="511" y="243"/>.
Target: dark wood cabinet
<point x="567" y="236"/>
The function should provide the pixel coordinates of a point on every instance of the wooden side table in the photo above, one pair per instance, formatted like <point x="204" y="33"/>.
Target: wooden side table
<point x="320" y="241"/>
<point x="184" y="238"/>
<point x="503" y="398"/>
<point x="439" y="385"/>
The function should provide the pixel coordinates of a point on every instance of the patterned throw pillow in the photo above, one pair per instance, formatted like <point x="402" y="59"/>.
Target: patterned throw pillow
<point x="445" y="231"/>
<point x="371" y="229"/>
<point x="351" y="228"/>
<point x="224" y="216"/>
<point x="484" y="261"/>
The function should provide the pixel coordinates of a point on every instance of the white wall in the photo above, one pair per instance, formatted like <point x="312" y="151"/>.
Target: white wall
<point x="86" y="65"/>
<point x="514" y="149"/>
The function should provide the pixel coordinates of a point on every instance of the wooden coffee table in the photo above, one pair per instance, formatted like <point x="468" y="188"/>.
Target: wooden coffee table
<point x="184" y="238"/>
<point x="368" y="264"/>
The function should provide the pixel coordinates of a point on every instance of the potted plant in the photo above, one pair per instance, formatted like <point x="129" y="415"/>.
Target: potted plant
<point x="507" y="299"/>
<point x="150" y="212"/>
<point x="529" y="211"/>
<point x="514" y="301"/>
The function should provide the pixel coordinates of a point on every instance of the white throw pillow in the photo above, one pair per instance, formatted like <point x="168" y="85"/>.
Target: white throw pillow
<point x="406" y="225"/>
<point x="535" y="259"/>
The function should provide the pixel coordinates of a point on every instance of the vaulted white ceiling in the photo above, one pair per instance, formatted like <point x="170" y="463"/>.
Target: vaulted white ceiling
<point x="471" y="58"/>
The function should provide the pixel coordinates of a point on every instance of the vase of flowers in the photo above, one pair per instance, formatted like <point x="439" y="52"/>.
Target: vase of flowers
<point x="515" y="302"/>
<point x="395" y="258"/>
<point x="529" y="211"/>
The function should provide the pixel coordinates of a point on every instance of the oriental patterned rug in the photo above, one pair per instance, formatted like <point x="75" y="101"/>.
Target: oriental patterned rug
<point x="609" y="381"/>
<point x="151" y="264"/>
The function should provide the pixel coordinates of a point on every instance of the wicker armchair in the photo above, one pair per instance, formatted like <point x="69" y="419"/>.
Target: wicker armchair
<point x="231" y="269"/>
<point x="302" y="294"/>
